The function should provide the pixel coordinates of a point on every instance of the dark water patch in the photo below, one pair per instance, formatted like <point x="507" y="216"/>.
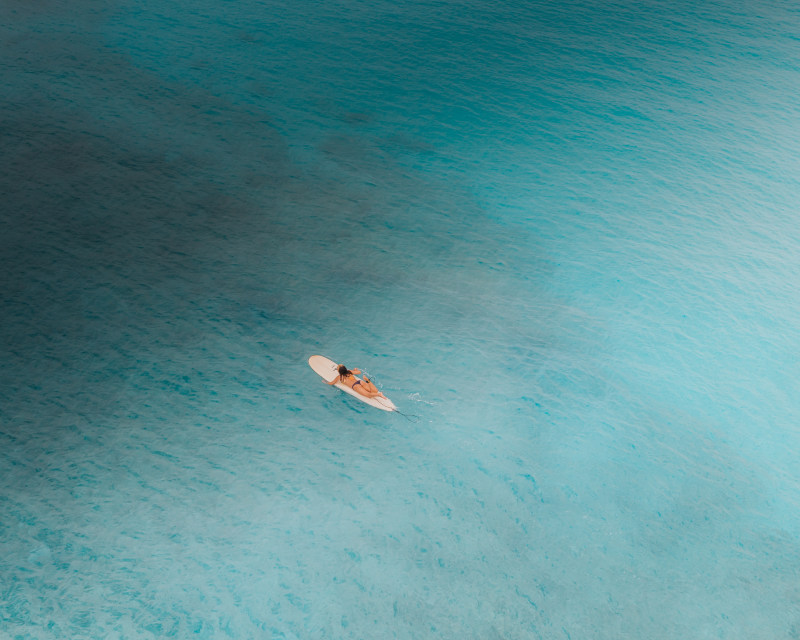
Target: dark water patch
<point x="127" y="200"/>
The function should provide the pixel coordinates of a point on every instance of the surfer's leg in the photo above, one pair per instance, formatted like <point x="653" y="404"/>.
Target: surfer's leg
<point x="370" y="386"/>
<point x="362" y="390"/>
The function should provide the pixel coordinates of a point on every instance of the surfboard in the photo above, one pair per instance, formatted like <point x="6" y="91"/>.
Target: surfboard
<point x="328" y="369"/>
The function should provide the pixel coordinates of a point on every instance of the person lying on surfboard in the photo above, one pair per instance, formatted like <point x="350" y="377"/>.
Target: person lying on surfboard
<point x="365" y="387"/>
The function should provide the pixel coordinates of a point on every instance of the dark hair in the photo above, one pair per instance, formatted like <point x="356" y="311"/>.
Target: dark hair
<point x="344" y="371"/>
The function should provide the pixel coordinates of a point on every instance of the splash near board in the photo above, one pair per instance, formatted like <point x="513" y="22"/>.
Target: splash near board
<point x="328" y="369"/>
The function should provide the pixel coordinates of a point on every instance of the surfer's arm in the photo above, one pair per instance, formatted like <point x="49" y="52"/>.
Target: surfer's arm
<point x="356" y="370"/>
<point x="334" y="381"/>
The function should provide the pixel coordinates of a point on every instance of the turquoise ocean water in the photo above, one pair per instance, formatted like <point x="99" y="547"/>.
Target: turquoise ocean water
<point x="563" y="235"/>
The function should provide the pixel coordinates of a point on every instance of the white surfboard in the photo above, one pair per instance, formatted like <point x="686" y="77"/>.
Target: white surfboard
<point x="328" y="369"/>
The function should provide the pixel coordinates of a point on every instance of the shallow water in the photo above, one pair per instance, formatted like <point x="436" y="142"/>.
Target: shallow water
<point x="562" y="237"/>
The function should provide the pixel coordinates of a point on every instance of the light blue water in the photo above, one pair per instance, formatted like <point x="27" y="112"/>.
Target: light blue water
<point x="563" y="236"/>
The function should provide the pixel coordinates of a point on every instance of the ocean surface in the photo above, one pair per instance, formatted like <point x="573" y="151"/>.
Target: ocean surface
<point x="562" y="236"/>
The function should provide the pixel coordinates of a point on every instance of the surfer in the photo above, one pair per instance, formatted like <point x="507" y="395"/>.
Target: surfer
<point x="365" y="387"/>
